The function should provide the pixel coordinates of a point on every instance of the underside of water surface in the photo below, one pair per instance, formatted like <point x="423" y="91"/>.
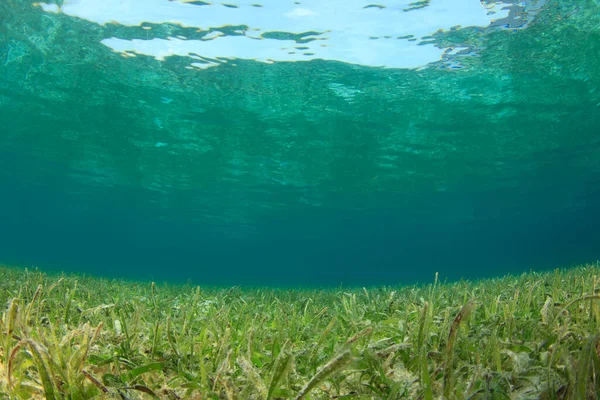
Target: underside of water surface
<point x="299" y="143"/>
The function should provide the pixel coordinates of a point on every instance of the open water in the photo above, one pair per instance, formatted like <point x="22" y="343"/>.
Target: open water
<point x="299" y="143"/>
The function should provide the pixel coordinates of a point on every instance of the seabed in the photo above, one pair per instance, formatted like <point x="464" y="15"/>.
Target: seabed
<point x="533" y="336"/>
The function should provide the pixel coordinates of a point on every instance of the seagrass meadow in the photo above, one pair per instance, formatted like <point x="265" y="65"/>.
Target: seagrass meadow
<point x="299" y="199"/>
<point x="532" y="336"/>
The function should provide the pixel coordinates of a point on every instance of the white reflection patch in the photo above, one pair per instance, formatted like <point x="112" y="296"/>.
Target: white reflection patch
<point x="356" y="32"/>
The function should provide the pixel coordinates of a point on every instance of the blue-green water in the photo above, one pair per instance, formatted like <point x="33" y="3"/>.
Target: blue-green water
<point x="299" y="143"/>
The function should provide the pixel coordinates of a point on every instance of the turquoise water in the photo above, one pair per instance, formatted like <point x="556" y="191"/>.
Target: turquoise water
<point x="299" y="143"/>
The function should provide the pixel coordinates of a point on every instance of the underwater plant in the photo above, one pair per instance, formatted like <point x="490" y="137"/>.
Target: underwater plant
<point x="533" y="336"/>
